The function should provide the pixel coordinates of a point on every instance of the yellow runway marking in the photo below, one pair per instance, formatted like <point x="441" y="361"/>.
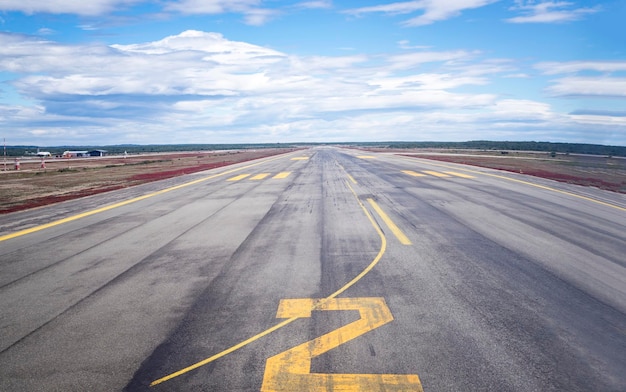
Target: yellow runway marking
<point x="260" y="176"/>
<point x="459" y="174"/>
<point x="239" y="177"/>
<point x="300" y="158"/>
<point x="413" y="173"/>
<point x="291" y="369"/>
<point x="531" y="184"/>
<point x="381" y="252"/>
<point x="282" y="175"/>
<point x="436" y="174"/>
<point x="130" y="201"/>
<point x="366" y="157"/>
<point x="404" y="240"/>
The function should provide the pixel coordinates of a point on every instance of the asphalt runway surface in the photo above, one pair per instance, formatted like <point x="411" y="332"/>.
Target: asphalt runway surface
<point x="323" y="269"/>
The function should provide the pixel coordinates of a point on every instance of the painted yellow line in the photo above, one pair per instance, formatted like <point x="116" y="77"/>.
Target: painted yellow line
<point x="260" y="176"/>
<point x="529" y="184"/>
<point x="404" y="240"/>
<point x="366" y="157"/>
<point x="347" y="174"/>
<point x="413" y="173"/>
<point x="300" y="159"/>
<point x="239" y="177"/>
<point x="282" y="175"/>
<point x="436" y="174"/>
<point x="459" y="174"/>
<point x="223" y="353"/>
<point x="129" y="201"/>
<point x="381" y="252"/>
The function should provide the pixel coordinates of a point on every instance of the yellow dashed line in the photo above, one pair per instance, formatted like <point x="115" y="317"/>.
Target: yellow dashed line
<point x="459" y="174"/>
<point x="239" y="177"/>
<point x="534" y="185"/>
<point x="260" y="176"/>
<point x="436" y="174"/>
<point x="282" y="175"/>
<point x="130" y="201"/>
<point x="413" y="173"/>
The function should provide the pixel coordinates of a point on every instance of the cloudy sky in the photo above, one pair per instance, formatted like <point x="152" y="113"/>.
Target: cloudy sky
<point x="97" y="72"/>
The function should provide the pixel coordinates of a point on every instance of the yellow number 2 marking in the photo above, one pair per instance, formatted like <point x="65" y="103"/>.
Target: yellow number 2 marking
<point x="291" y="369"/>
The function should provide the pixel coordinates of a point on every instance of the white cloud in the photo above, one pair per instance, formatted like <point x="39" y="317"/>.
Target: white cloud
<point x="432" y="10"/>
<point x="211" y="6"/>
<point x="78" y="7"/>
<point x="579" y="82"/>
<point x="590" y="119"/>
<point x="589" y="86"/>
<point x="549" y="12"/>
<point x="552" y="68"/>
<point x="253" y="13"/>
<point x="415" y="59"/>
<point x="251" y="10"/>
<point x="209" y="88"/>
<point x="317" y="4"/>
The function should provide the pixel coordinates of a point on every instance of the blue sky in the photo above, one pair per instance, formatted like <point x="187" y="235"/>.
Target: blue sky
<point x="103" y="72"/>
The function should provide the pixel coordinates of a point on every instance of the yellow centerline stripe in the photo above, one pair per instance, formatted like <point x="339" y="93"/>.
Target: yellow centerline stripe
<point x="404" y="240"/>
<point x="126" y="202"/>
<point x="381" y="252"/>
<point x="525" y="183"/>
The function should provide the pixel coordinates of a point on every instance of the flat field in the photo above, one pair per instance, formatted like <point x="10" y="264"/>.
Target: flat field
<point x="63" y="179"/>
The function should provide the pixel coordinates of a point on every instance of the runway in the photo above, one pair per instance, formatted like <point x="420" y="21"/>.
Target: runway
<point x="322" y="269"/>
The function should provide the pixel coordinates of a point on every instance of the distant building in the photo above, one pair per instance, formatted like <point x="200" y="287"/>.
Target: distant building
<point x="97" y="153"/>
<point x="75" y="154"/>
